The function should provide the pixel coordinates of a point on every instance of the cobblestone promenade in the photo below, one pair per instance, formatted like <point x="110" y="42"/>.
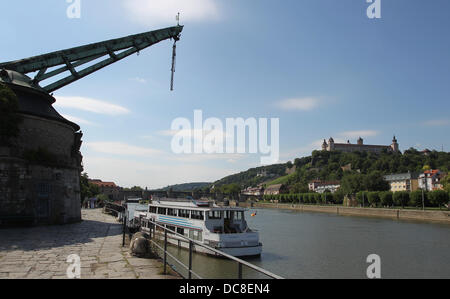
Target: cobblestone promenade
<point x="41" y="252"/>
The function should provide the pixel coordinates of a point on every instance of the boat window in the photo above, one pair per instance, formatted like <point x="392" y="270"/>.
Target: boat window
<point x="180" y="230"/>
<point x="172" y="212"/>
<point x="196" y="235"/>
<point x="229" y="214"/>
<point x="170" y="228"/>
<point x="162" y="211"/>
<point x="238" y="216"/>
<point x="152" y="210"/>
<point x="183" y="213"/>
<point x="214" y="215"/>
<point x="199" y="215"/>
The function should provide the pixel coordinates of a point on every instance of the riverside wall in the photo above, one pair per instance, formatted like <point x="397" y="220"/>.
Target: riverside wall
<point x="399" y="214"/>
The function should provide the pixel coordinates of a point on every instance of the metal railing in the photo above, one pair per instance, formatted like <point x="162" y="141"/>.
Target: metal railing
<point x="240" y="262"/>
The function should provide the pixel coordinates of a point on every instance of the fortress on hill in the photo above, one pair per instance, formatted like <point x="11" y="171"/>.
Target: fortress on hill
<point x="359" y="146"/>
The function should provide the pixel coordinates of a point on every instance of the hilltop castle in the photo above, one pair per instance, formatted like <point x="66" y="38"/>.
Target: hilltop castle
<point x="359" y="147"/>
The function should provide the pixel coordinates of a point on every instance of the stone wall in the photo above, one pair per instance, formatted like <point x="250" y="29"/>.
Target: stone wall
<point x="38" y="193"/>
<point x="53" y="136"/>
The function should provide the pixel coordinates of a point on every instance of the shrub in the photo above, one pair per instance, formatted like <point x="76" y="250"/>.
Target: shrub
<point x="9" y="119"/>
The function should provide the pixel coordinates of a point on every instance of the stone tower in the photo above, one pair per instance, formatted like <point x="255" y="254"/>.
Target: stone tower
<point x="40" y="167"/>
<point x="331" y="144"/>
<point x="394" y="145"/>
<point x="324" y="145"/>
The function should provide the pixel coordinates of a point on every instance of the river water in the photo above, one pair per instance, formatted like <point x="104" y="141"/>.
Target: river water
<point x="316" y="245"/>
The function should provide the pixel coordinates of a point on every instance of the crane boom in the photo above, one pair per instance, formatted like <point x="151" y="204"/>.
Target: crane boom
<point x="69" y="59"/>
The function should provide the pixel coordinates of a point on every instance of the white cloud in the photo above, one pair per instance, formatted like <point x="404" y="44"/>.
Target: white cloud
<point x="90" y="105"/>
<point x="118" y="148"/>
<point x="302" y="104"/>
<point x="78" y="120"/>
<point x="437" y="123"/>
<point x="139" y="80"/>
<point x="156" y="12"/>
<point x="357" y="134"/>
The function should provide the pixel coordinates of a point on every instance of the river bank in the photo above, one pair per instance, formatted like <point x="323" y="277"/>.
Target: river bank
<point x="399" y="214"/>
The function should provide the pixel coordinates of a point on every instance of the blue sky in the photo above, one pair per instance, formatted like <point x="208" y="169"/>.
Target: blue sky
<point x="321" y="66"/>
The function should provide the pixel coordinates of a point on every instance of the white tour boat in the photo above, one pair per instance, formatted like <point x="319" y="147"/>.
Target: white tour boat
<point x="222" y="228"/>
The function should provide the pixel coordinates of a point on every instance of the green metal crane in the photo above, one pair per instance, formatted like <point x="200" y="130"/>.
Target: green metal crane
<point x="67" y="60"/>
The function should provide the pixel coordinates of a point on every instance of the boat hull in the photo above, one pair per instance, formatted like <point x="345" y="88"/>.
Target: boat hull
<point x="243" y="251"/>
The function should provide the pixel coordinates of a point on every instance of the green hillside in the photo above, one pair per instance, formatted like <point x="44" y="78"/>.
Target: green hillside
<point x="188" y="187"/>
<point x="357" y="171"/>
<point x="250" y="177"/>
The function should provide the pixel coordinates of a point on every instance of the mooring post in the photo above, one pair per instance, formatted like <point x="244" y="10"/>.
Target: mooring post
<point x="190" y="259"/>
<point x="240" y="271"/>
<point x="165" y="251"/>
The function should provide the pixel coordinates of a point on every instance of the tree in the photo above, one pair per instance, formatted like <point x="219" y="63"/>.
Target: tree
<point x="374" y="181"/>
<point x="373" y="198"/>
<point x="87" y="189"/>
<point x="9" y="119"/>
<point x="401" y="198"/>
<point x="416" y="199"/>
<point x="446" y="183"/>
<point x="327" y="197"/>
<point x="361" y="198"/>
<point x="386" y="198"/>
<point x="439" y="198"/>
<point x="351" y="184"/>
<point x="338" y="197"/>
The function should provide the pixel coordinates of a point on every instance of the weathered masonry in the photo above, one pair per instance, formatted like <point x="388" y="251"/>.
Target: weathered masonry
<point x="40" y="168"/>
<point x="40" y="164"/>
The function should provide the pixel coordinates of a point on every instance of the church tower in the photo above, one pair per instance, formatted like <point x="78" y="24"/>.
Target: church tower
<point x="394" y="145"/>
<point x="331" y="144"/>
<point x="324" y="145"/>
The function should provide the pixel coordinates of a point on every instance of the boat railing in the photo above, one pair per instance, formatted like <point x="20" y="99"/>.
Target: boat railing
<point x="240" y="263"/>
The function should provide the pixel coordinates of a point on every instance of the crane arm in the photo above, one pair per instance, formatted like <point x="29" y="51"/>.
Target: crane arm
<point x="69" y="59"/>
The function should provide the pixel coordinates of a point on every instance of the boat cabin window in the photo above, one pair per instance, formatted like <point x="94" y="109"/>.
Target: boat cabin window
<point x="239" y="216"/>
<point x="229" y="214"/>
<point x="180" y="230"/>
<point x="199" y="215"/>
<point x="214" y="215"/>
<point x="183" y="213"/>
<point x="195" y="235"/>
<point x="152" y="210"/>
<point x="172" y="212"/>
<point x="170" y="228"/>
<point x="162" y="211"/>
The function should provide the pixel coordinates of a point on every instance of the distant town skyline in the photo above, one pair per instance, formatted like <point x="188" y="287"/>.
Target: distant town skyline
<point x="322" y="67"/>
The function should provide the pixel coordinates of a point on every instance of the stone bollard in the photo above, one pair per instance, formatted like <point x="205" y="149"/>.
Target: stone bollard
<point x="139" y="245"/>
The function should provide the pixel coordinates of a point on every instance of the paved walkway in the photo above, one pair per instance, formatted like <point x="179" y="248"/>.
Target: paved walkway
<point x="41" y="252"/>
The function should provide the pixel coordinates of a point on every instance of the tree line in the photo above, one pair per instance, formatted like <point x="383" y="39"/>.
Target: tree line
<point x="375" y="199"/>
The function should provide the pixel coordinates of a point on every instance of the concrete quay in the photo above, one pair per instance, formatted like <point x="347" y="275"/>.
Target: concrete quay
<point x="41" y="252"/>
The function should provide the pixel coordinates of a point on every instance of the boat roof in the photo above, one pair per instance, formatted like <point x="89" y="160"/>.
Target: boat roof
<point x="199" y="205"/>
